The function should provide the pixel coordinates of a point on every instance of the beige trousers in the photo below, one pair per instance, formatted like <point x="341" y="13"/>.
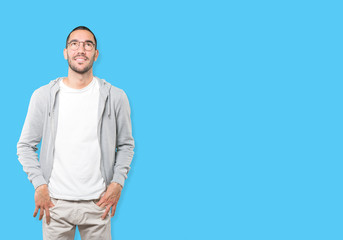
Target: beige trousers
<point x="66" y="215"/>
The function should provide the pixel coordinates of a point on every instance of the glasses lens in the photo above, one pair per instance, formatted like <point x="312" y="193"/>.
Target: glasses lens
<point x="74" y="45"/>
<point x="88" y="46"/>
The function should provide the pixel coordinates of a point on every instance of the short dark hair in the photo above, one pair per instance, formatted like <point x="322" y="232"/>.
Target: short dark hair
<point x="82" y="28"/>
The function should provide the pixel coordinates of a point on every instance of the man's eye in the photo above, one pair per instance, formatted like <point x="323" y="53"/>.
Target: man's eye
<point x="89" y="44"/>
<point x="73" y="44"/>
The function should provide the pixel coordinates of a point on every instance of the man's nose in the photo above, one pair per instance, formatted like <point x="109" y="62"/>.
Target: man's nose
<point x="81" y="47"/>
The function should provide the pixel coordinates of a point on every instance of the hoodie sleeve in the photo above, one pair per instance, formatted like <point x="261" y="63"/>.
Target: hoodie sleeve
<point x="30" y="137"/>
<point x="125" y="141"/>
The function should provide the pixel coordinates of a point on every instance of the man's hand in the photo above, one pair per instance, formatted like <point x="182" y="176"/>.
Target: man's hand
<point x="110" y="198"/>
<point x="43" y="202"/>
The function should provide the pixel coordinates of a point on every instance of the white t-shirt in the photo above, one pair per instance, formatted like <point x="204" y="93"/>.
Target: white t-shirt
<point x="76" y="170"/>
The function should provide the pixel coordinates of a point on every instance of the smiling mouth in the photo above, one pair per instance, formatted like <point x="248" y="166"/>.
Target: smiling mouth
<point x="78" y="59"/>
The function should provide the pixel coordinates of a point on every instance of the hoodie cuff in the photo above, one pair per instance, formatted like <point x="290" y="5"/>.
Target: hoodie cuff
<point x="38" y="181"/>
<point x="119" y="179"/>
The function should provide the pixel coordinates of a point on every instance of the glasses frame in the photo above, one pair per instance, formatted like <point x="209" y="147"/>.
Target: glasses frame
<point x="79" y="43"/>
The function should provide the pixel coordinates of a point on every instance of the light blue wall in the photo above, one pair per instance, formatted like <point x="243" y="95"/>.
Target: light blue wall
<point x="236" y="113"/>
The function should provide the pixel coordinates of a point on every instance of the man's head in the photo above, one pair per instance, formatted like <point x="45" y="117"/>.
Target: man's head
<point x="81" y="49"/>
<point x="81" y="28"/>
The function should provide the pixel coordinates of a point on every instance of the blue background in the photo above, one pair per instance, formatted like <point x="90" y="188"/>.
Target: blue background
<point x="236" y="113"/>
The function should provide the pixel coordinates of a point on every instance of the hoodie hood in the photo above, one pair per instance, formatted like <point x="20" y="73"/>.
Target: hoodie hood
<point x="104" y="88"/>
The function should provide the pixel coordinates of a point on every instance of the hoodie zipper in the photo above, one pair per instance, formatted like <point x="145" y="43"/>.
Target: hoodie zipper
<point x="98" y="134"/>
<point x="52" y="116"/>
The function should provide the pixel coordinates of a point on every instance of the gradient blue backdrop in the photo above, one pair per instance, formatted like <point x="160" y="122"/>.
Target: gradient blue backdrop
<point x="236" y="113"/>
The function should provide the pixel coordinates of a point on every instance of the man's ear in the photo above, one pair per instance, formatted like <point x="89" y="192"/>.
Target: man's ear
<point x="96" y="55"/>
<point x="65" y="54"/>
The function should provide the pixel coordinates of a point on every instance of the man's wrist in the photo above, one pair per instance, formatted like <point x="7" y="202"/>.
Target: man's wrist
<point x="115" y="183"/>
<point x="41" y="186"/>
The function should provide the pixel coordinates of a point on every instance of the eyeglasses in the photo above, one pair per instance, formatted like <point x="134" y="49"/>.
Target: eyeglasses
<point x="74" y="45"/>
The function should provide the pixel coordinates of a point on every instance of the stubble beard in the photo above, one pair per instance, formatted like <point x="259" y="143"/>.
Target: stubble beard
<point x="83" y="70"/>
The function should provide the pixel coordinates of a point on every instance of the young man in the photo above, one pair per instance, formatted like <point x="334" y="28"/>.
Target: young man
<point x="86" y="150"/>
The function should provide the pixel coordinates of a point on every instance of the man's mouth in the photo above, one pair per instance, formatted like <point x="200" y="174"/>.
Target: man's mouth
<point x="80" y="59"/>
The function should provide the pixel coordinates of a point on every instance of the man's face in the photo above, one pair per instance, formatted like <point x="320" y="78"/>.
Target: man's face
<point x="81" y="60"/>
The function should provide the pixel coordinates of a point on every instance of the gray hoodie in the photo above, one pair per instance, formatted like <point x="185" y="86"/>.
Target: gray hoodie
<point x="114" y="133"/>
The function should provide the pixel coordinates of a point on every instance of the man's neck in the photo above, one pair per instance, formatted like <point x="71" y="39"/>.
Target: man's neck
<point x="77" y="80"/>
